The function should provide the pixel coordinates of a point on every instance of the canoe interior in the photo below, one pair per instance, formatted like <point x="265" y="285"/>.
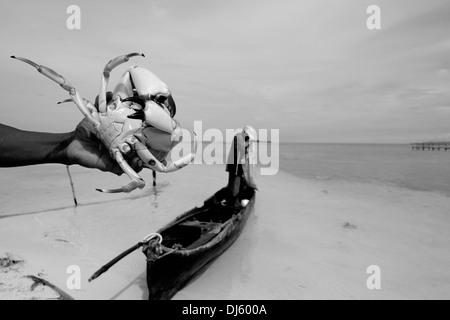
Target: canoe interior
<point x="200" y="225"/>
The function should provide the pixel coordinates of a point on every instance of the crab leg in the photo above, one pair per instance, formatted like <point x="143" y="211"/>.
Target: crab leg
<point x="136" y="180"/>
<point x="151" y="162"/>
<point x="87" y="103"/>
<point x="76" y="98"/>
<point x="105" y="77"/>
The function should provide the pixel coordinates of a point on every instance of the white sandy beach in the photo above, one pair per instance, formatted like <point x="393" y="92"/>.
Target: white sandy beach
<point x="305" y="240"/>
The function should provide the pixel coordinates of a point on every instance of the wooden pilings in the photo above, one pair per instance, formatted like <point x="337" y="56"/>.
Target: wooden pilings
<point x="444" y="146"/>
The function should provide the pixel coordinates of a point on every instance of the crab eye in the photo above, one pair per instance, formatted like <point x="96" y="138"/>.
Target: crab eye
<point x="168" y="102"/>
<point x="162" y="100"/>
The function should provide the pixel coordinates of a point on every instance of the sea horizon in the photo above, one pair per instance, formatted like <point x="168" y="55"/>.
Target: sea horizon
<point x="389" y="164"/>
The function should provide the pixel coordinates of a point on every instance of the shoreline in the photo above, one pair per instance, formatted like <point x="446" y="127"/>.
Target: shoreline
<point x="320" y="236"/>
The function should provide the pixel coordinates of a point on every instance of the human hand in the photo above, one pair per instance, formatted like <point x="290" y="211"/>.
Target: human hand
<point x="86" y="150"/>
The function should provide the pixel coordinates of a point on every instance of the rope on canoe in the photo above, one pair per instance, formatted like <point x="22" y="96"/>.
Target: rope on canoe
<point x="151" y="236"/>
<point x="105" y="268"/>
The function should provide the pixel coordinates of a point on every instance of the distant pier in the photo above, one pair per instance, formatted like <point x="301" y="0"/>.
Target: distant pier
<point x="438" y="146"/>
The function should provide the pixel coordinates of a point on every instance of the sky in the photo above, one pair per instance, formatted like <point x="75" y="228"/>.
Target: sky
<point x="311" y="69"/>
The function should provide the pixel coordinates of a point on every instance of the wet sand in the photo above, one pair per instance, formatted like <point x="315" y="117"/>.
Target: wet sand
<point x="305" y="240"/>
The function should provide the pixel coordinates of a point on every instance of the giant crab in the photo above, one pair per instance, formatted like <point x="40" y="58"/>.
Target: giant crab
<point x="138" y="118"/>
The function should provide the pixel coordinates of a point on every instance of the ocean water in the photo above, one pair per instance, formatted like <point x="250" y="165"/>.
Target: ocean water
<point x="395" y="165"/>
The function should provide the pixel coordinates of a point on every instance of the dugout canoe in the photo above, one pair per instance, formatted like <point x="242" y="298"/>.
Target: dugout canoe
<point x="194" y="239"/>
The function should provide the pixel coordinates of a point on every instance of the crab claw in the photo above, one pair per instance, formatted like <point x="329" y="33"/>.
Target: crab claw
<point x="138" y="114"/>
<point x="153" y="113"/>
<point x="137" y="100"/>
<point x="159" y="117"/>
<point x="139" y="108"/>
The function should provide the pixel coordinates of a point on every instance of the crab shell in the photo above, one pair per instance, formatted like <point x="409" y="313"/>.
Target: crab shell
<point x="156" y="129"/>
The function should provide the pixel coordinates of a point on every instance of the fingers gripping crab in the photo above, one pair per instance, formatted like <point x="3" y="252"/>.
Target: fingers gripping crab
<point x="137" y="119"/>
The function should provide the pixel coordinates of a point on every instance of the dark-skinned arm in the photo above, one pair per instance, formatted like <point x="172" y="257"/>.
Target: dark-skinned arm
<point x="23" y="148"/>
<point x="82" y="147"/>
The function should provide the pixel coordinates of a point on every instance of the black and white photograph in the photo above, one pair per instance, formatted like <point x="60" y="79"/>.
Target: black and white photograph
<point x="246" y="151"/>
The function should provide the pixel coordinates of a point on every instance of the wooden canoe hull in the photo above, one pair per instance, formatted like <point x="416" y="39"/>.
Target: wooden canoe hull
<point x="167" y="274"/>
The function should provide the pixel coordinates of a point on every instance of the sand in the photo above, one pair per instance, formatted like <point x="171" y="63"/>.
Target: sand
<point x="306" y="239"/>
